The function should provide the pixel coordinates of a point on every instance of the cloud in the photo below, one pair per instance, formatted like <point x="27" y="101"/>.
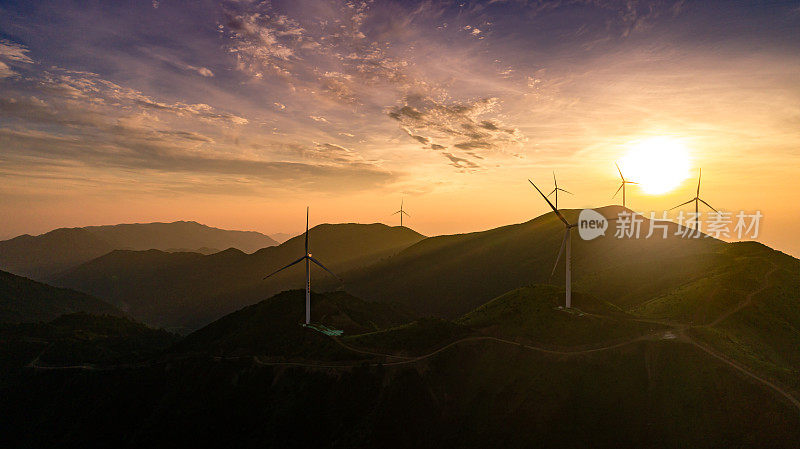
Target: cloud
<point x="5" y="70"/>
<point x="421" y="139"/>
<point x="458" y="123"/>
<point x="201" y="70"/>
<point x="461" y="163"/>
<point x="350" y="56"/>
<point x="13" y="53"/>
<point x="91" y="122"/>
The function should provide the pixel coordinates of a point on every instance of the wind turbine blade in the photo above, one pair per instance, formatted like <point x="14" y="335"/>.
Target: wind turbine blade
<point x="552" y="192"/>
<point x="631" y="182"/>
<point x="561" y="217"/>
<point x="407" y="215"/>
<point x="560" y="251"/>
<point x="620" y="171"/>
<point x="395" y="213"/>
<point x="620" y="188"/>
<point x="683" y="204"/>
<point x="555" y="183"/>
<point x="287" y="266"/>
<point x="565" y="191"/>
<point x="698" y="183"/>
<point x="324" y="268"/>
<point x="708" y="205"/>
<point x="306" y="229"/>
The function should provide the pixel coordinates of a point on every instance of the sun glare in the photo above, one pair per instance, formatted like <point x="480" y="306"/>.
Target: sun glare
<point x="658" y="164"/>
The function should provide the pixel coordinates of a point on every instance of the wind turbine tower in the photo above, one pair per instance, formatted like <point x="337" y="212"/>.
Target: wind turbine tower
<point x="697" y="202"/>
<point x="622" y="185"/>
<point x="308" y="258"/>
<point x="401" y="212"/>
<point x="565" y="243"/>
<point x="556" y="189"/>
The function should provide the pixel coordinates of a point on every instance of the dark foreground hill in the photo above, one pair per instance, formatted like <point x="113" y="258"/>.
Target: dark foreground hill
<point x="24" y="300"/>
<point x="273" y="326"/>
<point x="77" y="340"/>
<point x="597" y="378"/>
<point x="189" y="290"/>
<point x="43" y="256"/>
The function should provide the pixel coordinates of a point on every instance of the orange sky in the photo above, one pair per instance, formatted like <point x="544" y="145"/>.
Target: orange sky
<point x="239" y="118"/>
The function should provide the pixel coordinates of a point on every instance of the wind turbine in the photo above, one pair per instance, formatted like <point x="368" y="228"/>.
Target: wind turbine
<point x="697" y="202"/>
<point x="622" y="185"/>
<point x="556" y="189"/>
<point x="401" y="212"/>
<point x="564" y="243"/>
<point x="308" y="259"/>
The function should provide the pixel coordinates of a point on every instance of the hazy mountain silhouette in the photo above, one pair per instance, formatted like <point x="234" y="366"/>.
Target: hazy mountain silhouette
<point x="188" y="290"/>
<point x="281" y="237"/>
<point x="43" y="256"/>
<point x="24" y="300"/>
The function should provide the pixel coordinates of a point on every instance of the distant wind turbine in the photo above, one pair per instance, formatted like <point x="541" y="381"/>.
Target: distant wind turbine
<point x="622" y="185"/>
<point x="401" y="212"/>
<point x="308" y="258"/>
<point x="556" y="189"/>
<point x="564" y="243"/>
<point x="697" y="202"/>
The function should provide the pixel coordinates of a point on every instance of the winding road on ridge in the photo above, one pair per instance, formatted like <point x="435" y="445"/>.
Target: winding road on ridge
<point x="677" y="332"/>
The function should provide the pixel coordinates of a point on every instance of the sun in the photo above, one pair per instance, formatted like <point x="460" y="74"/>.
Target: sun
<point x="658" y="164"/>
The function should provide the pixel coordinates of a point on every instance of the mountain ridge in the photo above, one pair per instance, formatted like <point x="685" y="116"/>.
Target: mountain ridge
<point x="45" y="255"/>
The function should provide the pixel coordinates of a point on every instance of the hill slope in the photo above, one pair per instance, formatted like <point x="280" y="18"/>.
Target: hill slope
<point x="42" y="256"/>
<point x="187" y="290"/>
<point x="450" y="275"/>
<point x="24" y="300"/>
<point x="78" y="339"/>
<point x="517" y="371"/>
<point x="273" y="326"/>
<point x="477" y="393"/>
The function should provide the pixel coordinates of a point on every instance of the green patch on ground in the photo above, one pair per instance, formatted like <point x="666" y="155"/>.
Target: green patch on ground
<point x="417" y="337"/>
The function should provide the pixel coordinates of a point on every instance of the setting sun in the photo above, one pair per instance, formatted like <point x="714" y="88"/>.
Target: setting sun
<point x="658" y="164"/>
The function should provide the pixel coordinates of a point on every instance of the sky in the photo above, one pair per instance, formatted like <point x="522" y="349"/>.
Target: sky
<point x="239" y="114"/>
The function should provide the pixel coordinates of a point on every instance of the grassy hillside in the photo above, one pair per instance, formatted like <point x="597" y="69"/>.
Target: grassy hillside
<point x="81" y="338"/>
<point x="535" y="314"/>
<point x="478" y="394"/>
<point x="763" y="331"/>
<point x="182" y="290"/>
<point x="450" y="275"/>
<point x="43" y="256"/>
<point x="273" y="326"/>
<point x="518" y="371"/>
<point x="415" y="338"/>
<point x="24" y="300"/>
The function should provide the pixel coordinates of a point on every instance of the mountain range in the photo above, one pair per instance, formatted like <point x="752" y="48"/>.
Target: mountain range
<point x="184" y="291"/>
<point x="24" y="300"/>
<point x="44" y="256"/>
<point x="449" y="341"/>
<point x="443" y="276"/>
